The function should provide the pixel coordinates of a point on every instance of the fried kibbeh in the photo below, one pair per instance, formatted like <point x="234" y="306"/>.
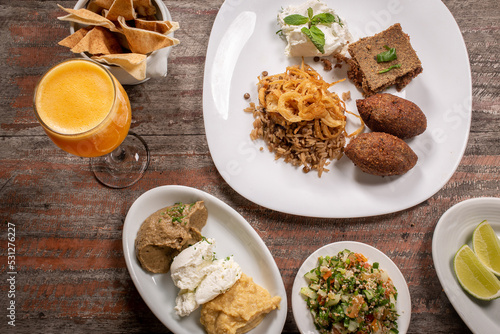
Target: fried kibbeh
<point x="372" y="76"/>
<point x="388" y="113"/>
<point x="379" y="153"/>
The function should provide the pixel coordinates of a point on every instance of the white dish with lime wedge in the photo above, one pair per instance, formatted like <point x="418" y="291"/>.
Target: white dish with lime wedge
<point x="453" y="230"/>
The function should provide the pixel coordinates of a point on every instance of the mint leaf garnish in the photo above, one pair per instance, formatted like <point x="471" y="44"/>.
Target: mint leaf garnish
<point x="296" y="20"/>
<point x="316" y="36"/>
<point x="310" y="13"/>
<point x="323" y="18"/>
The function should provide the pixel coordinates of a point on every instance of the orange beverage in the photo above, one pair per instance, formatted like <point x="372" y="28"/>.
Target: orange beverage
<point x="83" y="108"/>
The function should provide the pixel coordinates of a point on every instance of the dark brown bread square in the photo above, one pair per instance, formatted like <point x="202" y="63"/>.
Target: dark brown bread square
<point x="364" y="69"/>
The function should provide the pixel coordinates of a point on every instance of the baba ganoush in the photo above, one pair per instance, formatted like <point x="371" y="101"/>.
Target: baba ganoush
<point x="165" y="233"/>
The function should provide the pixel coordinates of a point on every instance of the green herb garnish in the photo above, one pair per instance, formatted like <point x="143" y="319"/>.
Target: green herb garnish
<point x="389" y="68"/>
<point x="323" y="18"/>
<point x="206" y="240"/>
<point x="315" y="34"/>
<point x="296" y="20"/>
<point x="388" y="55"/>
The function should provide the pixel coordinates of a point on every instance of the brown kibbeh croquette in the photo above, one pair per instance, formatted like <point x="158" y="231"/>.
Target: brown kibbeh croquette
<point x="380" y="153"/>
<point x="388" y="113"/>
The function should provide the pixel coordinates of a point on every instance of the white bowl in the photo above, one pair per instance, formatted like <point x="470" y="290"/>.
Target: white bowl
<point x="156" y="62"/>
<point x="454" y="229"/>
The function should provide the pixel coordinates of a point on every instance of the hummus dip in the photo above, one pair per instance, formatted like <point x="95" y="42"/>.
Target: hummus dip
<point x="167" y="232"/>
<point x="239" y="310"/>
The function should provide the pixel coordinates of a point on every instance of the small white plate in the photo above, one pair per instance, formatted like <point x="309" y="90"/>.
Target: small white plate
<point x="453" y="230"/>
<point x="303" y="316"/>
<point x="233" y="236"/>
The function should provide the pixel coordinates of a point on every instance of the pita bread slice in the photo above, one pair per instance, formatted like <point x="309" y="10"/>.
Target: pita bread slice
<point x="93" y="7"/>
<point x="86" y="17"/>
<point x="144" y="8"/>
<point x="161" y="27"/>
<point x="106" y="4"/>
<point x="133" y="63"/>
<point x="74" y="38"/>
<point x="123" y="8"/>
<point x="144" y="41"/>
<point x="98" y="41"/>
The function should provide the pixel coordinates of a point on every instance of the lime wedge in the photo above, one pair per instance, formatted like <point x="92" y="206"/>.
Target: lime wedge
<point x="473" y="276"/>
<point x="486" y="245"/>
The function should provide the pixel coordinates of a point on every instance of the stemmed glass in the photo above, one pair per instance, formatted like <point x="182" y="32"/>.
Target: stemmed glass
<point x="86" y="112"/>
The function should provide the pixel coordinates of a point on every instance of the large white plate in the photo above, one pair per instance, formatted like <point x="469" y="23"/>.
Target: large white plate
<point x="453" y="230"/>
<point x="301" y="313"/>
<point x="243" y="43"/>
<point x="233" y="236"/>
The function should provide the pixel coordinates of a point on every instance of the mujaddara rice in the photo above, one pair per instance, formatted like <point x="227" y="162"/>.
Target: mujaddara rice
<point x="310" y="144"/>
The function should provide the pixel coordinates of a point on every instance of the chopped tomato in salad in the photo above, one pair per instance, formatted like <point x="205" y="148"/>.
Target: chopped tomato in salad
<point x="346" y="294"/>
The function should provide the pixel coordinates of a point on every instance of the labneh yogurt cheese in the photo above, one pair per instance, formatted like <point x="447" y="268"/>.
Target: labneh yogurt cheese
<point x="200" y="276"/>
<point x="337" y="36"/>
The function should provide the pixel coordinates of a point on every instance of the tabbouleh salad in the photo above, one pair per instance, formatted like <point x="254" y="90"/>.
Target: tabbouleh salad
<point x="346" y="294"/>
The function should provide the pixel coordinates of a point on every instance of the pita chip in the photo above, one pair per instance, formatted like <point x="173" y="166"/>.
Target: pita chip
<point x="74" y="38"/>
<point x="145" y="41"/>
<point x="85" y="16"/>
<point x="133" y="63"/>
<point x="123" y="8"/>
<point x="98" y="41"/>
<point x="144" y="7"/>
<point x="106" y="4"/>
<point x="93" y="7"/>
<point x="162" y="27"/>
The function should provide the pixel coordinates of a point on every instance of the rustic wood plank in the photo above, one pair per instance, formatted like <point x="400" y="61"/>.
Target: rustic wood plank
<point x="72" y="274"/>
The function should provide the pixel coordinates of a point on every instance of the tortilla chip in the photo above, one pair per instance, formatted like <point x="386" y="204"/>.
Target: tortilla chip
<point x="161" y="27"/>
<point x="98" y="41"/>
<point x="74" y="38"/>
<point x="144" y="7"/>
<point x="121" y="8"/>
<point x="133" y="63"/>
<point x="85" y="16"/>
<point x="144" y="41"/>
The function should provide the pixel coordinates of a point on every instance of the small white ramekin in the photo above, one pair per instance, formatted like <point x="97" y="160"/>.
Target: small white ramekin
<point x="156" y="61"/>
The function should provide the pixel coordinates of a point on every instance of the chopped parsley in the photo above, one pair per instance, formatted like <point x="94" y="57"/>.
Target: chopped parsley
<point x="177" y="219"/>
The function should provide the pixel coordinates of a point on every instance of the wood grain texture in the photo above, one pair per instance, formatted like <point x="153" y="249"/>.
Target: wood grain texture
<point x="71" y="270"/>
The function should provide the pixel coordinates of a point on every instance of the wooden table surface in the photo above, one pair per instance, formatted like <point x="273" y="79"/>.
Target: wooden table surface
<point x="71" y="273"/>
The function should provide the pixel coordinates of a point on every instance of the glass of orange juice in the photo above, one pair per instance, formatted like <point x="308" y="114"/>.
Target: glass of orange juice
<point x="85" y="111"/>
